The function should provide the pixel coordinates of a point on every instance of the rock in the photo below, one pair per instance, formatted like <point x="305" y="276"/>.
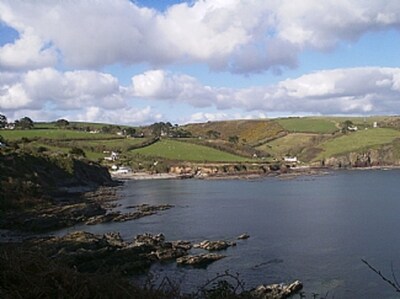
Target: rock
<point x="276" y="291"/>
<point x="169" y="253"/>
<point x="199" y="260"/>
<point x="142" y="211"/>
<point x="185" y="245"/>
<point x="149" y="240"/>
<point x="114" y="239"/>
<point x="213" y="245"/>
<point x="243" y="237"/>
<point x="90" y="252"/>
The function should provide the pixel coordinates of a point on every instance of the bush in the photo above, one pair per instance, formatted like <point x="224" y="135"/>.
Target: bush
<point x="77" y="152"/>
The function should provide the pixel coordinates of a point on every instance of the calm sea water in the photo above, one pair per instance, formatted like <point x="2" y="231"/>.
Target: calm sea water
<point x="315" y="229"/>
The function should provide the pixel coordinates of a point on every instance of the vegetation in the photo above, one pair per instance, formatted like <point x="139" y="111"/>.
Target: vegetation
<point x="309" y="138"/>
<point x="308" y="125"/>
<point x="177" y="150"/>
<point x="53" y="134"/>
<point x="248" y="131"/>
<point x="3" y="121"/>
<point x="357" y="141"/>
<point x="24" y="123"/>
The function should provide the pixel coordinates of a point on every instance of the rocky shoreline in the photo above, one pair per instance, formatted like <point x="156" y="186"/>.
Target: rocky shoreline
<point x="284" y="174"/>
<point x="90" y="253"/>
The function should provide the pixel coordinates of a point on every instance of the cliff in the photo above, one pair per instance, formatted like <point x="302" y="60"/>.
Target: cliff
<point x="27" y="180"/>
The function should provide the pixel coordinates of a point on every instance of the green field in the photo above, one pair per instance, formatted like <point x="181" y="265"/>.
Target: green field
<point x="52" y="134"/>
<point x="291" y="144"/>
<point x="357" y="141"/>
<point x="248" y="131"/>
<point x="308" y="125"/>
<point x="178" y="150"/>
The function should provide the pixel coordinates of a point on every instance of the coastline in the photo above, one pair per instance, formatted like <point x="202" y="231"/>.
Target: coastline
<point x="287" y="174"/>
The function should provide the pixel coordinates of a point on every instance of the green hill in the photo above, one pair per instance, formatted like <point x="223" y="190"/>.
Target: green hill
<point x="248" y="131"/>
<point x="184" y="151"/>
<point x="310" y="139"/>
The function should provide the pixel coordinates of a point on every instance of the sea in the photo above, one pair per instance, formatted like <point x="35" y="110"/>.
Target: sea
<point x="316" y="229"/>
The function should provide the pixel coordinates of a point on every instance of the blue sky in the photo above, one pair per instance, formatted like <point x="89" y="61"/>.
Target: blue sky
<point x="138" y="62"/>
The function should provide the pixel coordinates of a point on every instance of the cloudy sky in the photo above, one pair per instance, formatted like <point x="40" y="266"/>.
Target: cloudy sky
<point x="137" y="62"/>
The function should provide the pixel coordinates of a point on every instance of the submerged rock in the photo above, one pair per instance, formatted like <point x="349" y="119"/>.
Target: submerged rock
<point x="276" y="291"/>
<point x="243" y="237"/>
<point x="199" y="260"/>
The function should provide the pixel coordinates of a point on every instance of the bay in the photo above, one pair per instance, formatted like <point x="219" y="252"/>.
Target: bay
<point x="312" y="228"/>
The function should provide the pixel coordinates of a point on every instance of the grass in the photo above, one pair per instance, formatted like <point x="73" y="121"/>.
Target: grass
<point x="248" y="131"/>
<point x="290" y="144"/>
<point x="308" y="125"/>
<point x="177" y="150"/>
<point x="51" y="134"/>
<point x="357" y="141"/>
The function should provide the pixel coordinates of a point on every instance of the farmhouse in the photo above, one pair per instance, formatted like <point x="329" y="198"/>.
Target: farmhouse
<point x="290" y="159"/>
<point x="113" y="157"/>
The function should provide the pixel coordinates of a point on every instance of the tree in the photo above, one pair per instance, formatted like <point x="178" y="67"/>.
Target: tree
<point x="346" y="125"/>
<point x="77" y="152"/>
<point x="24" y="123"/>
<point x="62" y="123"/>
<point x="3" y="121"/>
<point x="213" y="134"/>
<point x="130" y="131"/>
<point x="233" y="139"/>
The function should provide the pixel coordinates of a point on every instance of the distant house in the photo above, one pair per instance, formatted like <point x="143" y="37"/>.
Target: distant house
<point x="9" y="126"/>
<point x="290" y="159"/>
<point x="352" y="128"/>
<point x="122" y="170"/>
<point x="113" y="157"/>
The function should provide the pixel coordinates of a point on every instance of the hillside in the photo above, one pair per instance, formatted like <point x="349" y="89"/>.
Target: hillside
<point x="312" y="140"/>
<point x="248" y="131"/>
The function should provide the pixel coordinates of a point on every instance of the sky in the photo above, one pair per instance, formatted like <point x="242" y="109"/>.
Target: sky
<point x="143" y="61"/>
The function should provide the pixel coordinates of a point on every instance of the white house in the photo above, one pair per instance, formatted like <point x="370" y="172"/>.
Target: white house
<point x="122" y="170"/>
<point x="352" y="128"/>
<point x="113" y="157"/>
<point x="290" y="159"/>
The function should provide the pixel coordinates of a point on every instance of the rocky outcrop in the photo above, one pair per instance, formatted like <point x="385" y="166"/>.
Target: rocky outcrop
<point x="200" y="260"/>
<point x="385" y="155"/>
<point x="141" y="211"/>
<point x="276" y="291"/>
<point x="214" y="245"/>
<point x="90" y="252"/>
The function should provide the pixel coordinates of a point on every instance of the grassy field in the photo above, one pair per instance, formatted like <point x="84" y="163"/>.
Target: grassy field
<point x="291" y="144"/>
<point x="52" y="134"/>
<point x="248" y="131"/>
<point x="356" y="141"/>
<point x="177" y="150"/>
<point x="308" y="125"/>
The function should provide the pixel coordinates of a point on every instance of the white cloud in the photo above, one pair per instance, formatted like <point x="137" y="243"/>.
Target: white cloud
<point x="96" y="96"/>
<point x="234" y="35"/>
<point x="158" y="84"/>
<point x="369" y="90"/>
<point x="28" y="52"/>
<point x="131" y="116"/>
<point x="69" y="90"/>
<point x="201" y="117"/>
